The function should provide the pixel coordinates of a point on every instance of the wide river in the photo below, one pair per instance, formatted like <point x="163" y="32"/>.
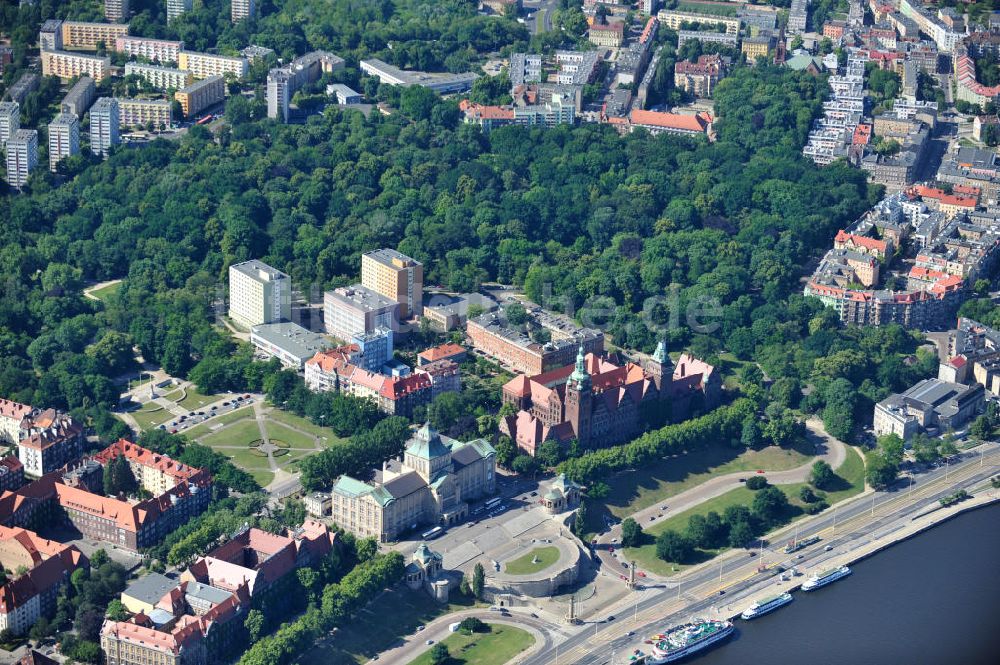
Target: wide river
<point x="932" y="600"/>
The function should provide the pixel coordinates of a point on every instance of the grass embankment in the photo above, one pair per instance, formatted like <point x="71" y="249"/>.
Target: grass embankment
<point x="496" y="647"/>
<point x="525" y="565"/>
<point x="634" y="490"/>
<point x="381" y="625"/>
<point x="852" y="481"/>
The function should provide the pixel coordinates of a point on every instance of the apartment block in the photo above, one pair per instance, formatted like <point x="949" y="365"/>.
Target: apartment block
<point x="105" y="125"/>
<point x="200" y="95"/>
<point x="49" y="440"/>
<point x="203" y="65"/>
<point x="80" y="96"/>
<point x="64" y="138"/>
<point x="242" y="9"/>
<point x="161" y="78"/>
<point x="67" y="65"/>
<point x="156" y="473"/>
<point x="395" y="276"/>
<point x="116" y="11"/>
<point x="674" y="19"/>
<point x="12" y="414"/>
<point x="349" y="310"/>
<point x="258" y="294"/>
<point x="87" y="36"/>
<point x="282" y="82"/>
<point x="159" y="50"/>
<point x="28" y="597"/>
<point x="140" y="112"/>
<point x="50" y="35"/>
<point x="177" y="7"/>
<point x="11" y="474"/>
<point x="22" y="157"/>
<point x="10" y="121"/>
<point x="699" y="78"/>
<point x="610" y="34"/>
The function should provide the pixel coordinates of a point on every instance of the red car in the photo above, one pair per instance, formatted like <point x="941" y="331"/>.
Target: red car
<point x="760" y="471"/>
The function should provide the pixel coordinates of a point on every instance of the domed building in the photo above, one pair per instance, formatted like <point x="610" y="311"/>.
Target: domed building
<point x="562" y="495"/>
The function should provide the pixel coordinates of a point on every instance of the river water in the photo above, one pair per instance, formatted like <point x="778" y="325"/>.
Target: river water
<point x="934" y="600"/>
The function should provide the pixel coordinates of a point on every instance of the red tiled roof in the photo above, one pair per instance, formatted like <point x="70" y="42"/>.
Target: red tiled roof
<point x="861" y="241"/>
<point x="398" y="387"/>
<point x="691" y="123"/>
<point x="617" y="27"/>
<point x="443" y="351"/>
<point x="13" y="410"/>
<point x="147" y="458"/>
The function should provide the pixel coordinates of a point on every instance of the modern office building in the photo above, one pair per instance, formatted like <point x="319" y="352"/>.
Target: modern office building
<point x="930" y="404"/>
<point x="395" y="276"/>
<point x="177" y="7"/>
<point x="345" y="95"/>
<point x="88" y="36"/>
<point x="140" y="112"/>
<point x="50" y="35"/>
<point x="200" y="95"/>
<point x="203" y="65"/>
<point x="161" y="78"/>
<point x="442" y="83"/>
<point x="161" y="50"/>
<point x="282" y="82"/>
<point x="68" y="65"/>
<point x="105" y="125"/>
<point x="80" y="96"/>
<point x="242" y="9"/>
<point x="10" y="121"/>
<point x="64" y="138"/>
<point x="289" y="342"/>
<point x="349" y="310"/>
<point x="22" y="157"/>
<point x="258" y="294"/>
<point x="116" y="11"/>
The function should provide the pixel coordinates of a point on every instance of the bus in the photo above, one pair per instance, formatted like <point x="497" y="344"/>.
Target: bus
<point x="493" y="503"/>
<point x="204" y="121"/>
<point x="432" y="534"/>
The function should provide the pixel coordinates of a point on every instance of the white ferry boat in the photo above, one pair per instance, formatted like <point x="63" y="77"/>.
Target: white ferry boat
<point x="766" y="605"/>
<point x="826" y="577"/>
<point x="682" y="641"/>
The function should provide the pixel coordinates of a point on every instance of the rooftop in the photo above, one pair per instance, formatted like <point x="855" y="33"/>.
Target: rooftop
<point x="291" y="338"/>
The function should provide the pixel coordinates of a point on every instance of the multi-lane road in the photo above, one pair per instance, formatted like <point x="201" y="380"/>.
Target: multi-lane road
<point x="724" y="587"/>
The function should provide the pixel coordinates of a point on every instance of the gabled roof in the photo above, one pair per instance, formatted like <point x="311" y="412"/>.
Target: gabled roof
<point x="448" y="350"/>
<point x="690" y="123"/>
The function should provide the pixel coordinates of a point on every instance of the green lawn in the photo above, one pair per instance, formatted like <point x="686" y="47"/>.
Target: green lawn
<point x="851" y="472"/>
<point x="240" y="434"/>
<point x="325" y="434"/>
<point x="496" y="647"/>
<point x="211" y="425"/>
<point x="147" y="418"/>
<point x="105" y="292"/>
<point x="525" y="565"/>
<point x="379" y="626"/>
<point x="195" y="400"/>
<point x="297" y="440"/>
<point x="634" y="490"/>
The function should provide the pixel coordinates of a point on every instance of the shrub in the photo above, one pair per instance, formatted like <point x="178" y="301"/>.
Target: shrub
<point x="756" y="482"/>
